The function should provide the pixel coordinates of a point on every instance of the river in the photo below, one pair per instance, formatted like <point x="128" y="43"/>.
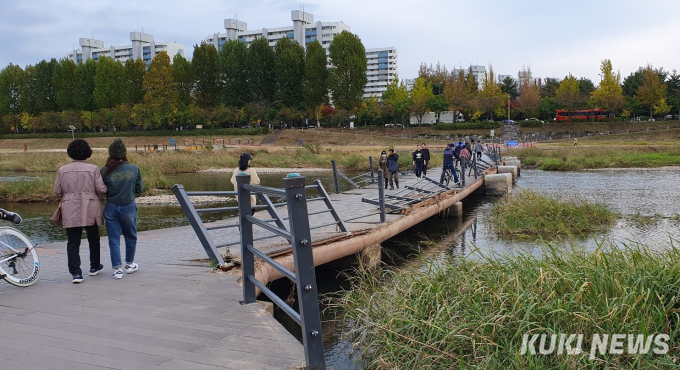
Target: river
<point x="645" y="198"/>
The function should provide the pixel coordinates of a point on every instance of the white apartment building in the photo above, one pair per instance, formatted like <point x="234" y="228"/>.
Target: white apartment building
<point x="143" y="47"/>
<point x="503" y="77"/>
<point x="382" y="62"/>
<point x="477" y="71"/>
<point x="382" y="70"/>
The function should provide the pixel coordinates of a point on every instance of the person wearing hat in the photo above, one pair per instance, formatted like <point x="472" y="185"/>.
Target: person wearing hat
<point x="124" y="181"/>
<point x="244" y="167"/>
<point x="382" y="164"/>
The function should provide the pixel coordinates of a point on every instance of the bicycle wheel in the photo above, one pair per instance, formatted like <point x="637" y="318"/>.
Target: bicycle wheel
<point x="447" y="177"/>
<point x="19" y="264"/>
<point x="460" y="176"/>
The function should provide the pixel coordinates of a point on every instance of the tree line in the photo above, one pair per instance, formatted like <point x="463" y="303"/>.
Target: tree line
<point x="238" y="85"/>
<point x="647" y="92"/>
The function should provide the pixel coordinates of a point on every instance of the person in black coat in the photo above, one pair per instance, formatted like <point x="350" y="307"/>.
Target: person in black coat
<point x="418" y="161"/>
<point x="426" y="157"/>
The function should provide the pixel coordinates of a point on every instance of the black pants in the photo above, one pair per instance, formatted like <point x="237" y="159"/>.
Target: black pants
<point x="387" y="180"/>
<point x="424" y="169"/>
<point x="73" y="247"/>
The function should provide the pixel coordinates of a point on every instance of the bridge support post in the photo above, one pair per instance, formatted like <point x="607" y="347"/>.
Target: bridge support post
<point x="335" y="177"/>
<point x="509" y="169"/>
<point x="497" y="185"/>
<point x="456" y="210"/>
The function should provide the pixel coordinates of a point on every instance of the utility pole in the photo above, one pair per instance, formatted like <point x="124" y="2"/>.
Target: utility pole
<point x="508" y="106"/>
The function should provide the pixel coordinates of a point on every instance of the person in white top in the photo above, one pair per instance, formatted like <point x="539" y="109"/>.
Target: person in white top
<point x="244" y="167"/>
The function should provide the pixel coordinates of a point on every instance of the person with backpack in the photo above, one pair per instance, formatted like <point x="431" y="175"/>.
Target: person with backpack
<point x="393" y="168"/>
<point x="124" y="181"/>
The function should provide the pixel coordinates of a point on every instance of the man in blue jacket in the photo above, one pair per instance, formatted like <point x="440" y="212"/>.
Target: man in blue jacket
<point x="449" y="155"/>
<point x="393" y="168"/>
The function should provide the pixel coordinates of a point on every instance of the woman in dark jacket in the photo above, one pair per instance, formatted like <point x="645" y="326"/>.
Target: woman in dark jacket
<point x="383" y="166"/>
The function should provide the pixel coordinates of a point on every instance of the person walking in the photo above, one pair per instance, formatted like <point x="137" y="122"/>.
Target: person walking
<point x="575" y="142"/>
<point x="382" y="164"/>
<point x="393" y="167"/>
<point x="426" y="158"/>
<point x="449" y="155"/>
<point x="418" y="162"/>
<point x="244" y="167"/>
<point x="479" y="149"/>
<point x="79" y="184"/>
<point x="124" y="181"/>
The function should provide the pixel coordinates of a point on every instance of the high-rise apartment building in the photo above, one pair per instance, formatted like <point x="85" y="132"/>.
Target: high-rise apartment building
<point x="382" y="62"/>
<point x="143" y="46"/>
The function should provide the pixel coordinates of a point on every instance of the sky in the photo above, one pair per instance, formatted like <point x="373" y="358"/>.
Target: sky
<point x="553" y="38"/>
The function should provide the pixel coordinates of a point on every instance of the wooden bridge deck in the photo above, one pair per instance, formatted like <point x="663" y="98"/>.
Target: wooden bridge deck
<point x="174" y="313"/>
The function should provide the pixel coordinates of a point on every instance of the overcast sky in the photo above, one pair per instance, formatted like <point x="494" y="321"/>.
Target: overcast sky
<point x="553" y="37"/>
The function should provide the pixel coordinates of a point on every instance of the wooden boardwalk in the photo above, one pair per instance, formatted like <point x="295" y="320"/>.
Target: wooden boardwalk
<point x="174" y="313"/>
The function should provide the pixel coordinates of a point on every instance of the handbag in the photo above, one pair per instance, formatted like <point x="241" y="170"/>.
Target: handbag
<point x="56" y="217"/>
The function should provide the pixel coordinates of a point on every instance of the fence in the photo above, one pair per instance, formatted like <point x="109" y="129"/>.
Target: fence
<point x="357" y="181"/>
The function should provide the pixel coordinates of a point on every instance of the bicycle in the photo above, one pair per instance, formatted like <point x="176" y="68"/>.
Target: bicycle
<point x="19" y="264"/>
<point x="448" y="175"/>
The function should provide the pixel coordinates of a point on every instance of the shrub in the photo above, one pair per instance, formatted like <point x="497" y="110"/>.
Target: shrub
<point x="530" y="124"/>
<point x="87" y="134"/>
<point x="484" y="125"/>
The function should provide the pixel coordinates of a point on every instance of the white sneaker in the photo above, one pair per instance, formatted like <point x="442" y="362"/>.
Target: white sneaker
<point x="117" y="274"/>
<point x="131" y="268"/>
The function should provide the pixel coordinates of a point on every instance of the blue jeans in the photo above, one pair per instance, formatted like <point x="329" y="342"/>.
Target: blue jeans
<point x="121" y="219"/>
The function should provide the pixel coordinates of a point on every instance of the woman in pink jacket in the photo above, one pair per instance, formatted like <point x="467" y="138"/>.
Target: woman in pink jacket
<point x="80" y="184"/>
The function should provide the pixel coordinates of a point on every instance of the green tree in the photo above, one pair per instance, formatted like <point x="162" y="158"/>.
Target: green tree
<point x="315" y="86"/>
<point x="549" y="87"/>
<point x="438" y="104"/>
<point x="289" y="70"/>
<point x="261" y="71"/>
<point x="436" y="76"/>
<point x="509" y="86"/>
<point x="134" y="81"/>
<point x="609" y="94"/>
<point x="568" y="95"/>
<point x="232" y="62"/>
<point x="28" y="96"/>
<point x="204" y="63"/>
<point x="64" y="81"/>
<point x="547" y="108"/>
<point x="12" y="79"/>
<point x="585" y="87"/>
<point x="347" y="78"/>
<point x="369" y="112"/>
<point x="529" y="99"/>
<point x="109" y="83"/>
<point x="421" y="93"/>
<point x="160" y="100"/>
<point x="673" y="91"/>
<point x="45" y="94"/>
<point x="396" y="97"/>
<point x="652" y="93"/>
<point x="183" y="74"/>
<point x="83" y="96"/>
<point x="490" y="96"/>
<point x="472" y="90"/>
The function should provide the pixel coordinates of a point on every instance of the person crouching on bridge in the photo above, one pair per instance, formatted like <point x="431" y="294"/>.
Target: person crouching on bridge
<point x="124" y="181"/>
<point x="382" y="164"/>
<point x="393" y="167"/>
<point x="418" y="162"/>
<point x="449" y="155"/>
<point x="244" y="168"/>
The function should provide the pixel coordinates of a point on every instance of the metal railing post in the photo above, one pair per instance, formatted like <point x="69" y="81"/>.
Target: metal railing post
<point x="301" y="241"/>
<point x="462" y="170"/>
<point x="335" y="177"/>
<point x="474" y="164"/>
<point x="326" y="198"/>
<point x="197" y="224"/>
<point x="381" y="196"/>
<point x="247" y="257"/>
<point x="370" y="163"/>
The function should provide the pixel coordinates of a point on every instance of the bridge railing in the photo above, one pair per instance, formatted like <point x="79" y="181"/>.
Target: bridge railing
<point x="357" y="181"/>
<point x="299" y="236"/>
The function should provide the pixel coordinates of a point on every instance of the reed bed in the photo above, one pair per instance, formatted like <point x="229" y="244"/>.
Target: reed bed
<point x="472" y="313"/>
<point x="528" y="212"/>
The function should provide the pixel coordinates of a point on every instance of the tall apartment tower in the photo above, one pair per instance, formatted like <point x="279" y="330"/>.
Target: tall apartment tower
<point x="300" y="21"/>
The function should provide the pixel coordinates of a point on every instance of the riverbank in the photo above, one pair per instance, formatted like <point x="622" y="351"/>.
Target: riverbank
<point x="596" y="157"/>
<point x="473" y="312"/>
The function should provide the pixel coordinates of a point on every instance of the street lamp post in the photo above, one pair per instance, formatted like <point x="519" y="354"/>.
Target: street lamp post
<point x="72" y="129"/>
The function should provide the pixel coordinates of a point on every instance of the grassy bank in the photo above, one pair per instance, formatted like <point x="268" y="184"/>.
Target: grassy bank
<point x="472" y="314"/>
<point x="527" y="212"/>
<point x="578" y="158"/>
